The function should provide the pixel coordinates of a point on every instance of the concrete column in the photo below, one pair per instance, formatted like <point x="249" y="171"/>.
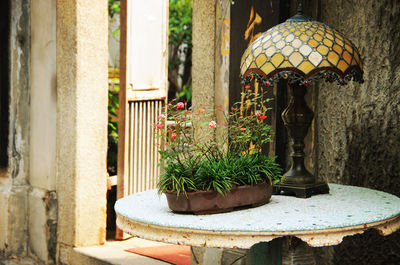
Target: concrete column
<point x="222" y="54"/>
<point x="203" y="57"/>
<point x="82" y="54"/>
<point x="42" y="172"/>
<point x="43" y="95"/>
<point x="210" y="58"/>
<point x="210" y="77"/>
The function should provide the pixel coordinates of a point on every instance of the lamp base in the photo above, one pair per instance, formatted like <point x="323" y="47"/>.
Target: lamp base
<point x="302" y="190"/>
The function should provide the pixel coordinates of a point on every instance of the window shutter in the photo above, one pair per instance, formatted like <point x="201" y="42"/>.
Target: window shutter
<point x="144" y="62"/>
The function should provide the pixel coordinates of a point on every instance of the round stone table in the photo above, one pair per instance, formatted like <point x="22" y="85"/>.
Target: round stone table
<point x="321" y="220"/>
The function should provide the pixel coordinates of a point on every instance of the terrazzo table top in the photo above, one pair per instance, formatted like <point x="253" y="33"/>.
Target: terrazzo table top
<point x="321" y="220"/>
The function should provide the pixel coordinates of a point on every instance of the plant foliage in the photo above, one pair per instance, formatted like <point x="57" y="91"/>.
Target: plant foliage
<point x="114" y="7"/>
<point x="195" y="161"/>
<point x="113" y="105"/>
<point x="112" y="151"/>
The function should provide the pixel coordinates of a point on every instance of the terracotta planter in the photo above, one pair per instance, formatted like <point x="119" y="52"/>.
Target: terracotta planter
<point x="209" y="202"/>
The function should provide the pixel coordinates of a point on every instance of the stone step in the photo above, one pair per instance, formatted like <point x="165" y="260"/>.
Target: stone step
<point x="113" y="253"/>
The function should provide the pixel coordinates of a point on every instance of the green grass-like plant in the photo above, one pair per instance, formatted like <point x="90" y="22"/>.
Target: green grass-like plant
<point x="178" y="177"/>
<point x="221" y="174"/>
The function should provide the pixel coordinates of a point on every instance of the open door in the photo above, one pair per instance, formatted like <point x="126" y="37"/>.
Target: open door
<point x="143" y="83"/>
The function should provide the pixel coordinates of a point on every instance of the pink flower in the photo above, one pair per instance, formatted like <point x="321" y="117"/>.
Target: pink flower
<point x="161" y="117"/>
<point x="160" y="126"/>
<point x="201" y="111"/>
<point x="247" y="86"/>
<point x="242" y="129"/>
<point x="180" y="105"/>
<point x="164" y="97"/>
<point x="263" y="117"/>
<point x="258" y="114"/>
<point x="212" y="124"/>
<point x="234" y="109"/>
<point x="173" y="136"/>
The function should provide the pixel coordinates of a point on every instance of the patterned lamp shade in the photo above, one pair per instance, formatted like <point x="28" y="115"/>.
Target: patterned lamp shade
<point x="301" y="50"/>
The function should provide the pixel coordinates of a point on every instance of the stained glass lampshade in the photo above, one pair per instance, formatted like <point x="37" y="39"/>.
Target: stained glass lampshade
<point x="301" y="51"/>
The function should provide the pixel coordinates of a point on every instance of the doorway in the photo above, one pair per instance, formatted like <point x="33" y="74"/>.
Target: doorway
<point x="4" y="80"/>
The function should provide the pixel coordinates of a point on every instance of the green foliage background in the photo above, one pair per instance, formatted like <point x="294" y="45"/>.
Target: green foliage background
<point x="114" y="7"/>
<point x="112" y="152"/>
<point x="180" y="43"/>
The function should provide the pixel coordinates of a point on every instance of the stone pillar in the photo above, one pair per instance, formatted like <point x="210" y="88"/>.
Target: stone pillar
<point x="42" y="171"/>
<point x="210" y="58"/>
<point x="203" y="63"/>
<point x="210" y="76"/>
<point x="222" y="54"/>
<point x="82" y="54"/>
<point x="203" y="57"/>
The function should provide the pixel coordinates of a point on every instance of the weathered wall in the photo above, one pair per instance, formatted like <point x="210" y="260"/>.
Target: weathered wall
<point x="14" y="182"/>
<point x="77" y="102"/>
<point x="27" y="186"/>
<point x="358" y="125"/>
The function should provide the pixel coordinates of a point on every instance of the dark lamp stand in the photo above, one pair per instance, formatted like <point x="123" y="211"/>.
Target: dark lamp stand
<point x="297" y="118"/>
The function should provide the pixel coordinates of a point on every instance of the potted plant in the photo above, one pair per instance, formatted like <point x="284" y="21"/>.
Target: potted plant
<point x="203" y="175"/>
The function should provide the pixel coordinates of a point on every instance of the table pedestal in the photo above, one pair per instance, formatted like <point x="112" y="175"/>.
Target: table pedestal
<point x="266" y="253"/>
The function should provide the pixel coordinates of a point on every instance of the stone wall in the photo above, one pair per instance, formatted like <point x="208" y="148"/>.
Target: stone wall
<point x="72" y="107"/>
<point x="14" y="180"/>
<point x="358" y="134"/>
<point x="27" y="186"/>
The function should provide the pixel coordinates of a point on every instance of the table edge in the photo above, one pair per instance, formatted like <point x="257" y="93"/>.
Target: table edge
<point x="245" y="239"/>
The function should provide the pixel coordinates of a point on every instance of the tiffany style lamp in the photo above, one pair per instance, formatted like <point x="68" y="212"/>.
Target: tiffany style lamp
<point x="301" y="51"/>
